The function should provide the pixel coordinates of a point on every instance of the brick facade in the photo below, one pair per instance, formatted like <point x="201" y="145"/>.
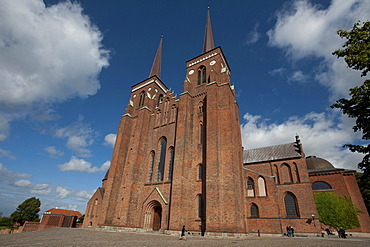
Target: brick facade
<point x="180" y="161"/>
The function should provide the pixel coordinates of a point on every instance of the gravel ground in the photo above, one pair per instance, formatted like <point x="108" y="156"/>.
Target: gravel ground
<point x="89" y="237"/>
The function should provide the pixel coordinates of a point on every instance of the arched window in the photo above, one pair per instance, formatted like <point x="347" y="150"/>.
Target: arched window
<point x="276" y="174"/>
<point x="200" y="172"/>
<point x="202" y="75"/>
<point x="121" y="208"/>
<point x="95" y="208"/>
<point x="170" y="164"/>
<point x="254" y="211"/>
<point x="261" y="186"/>
<point x="151" y="166"/>
<point x="125" y="180"/>
<point x="321" y="185"/>
<point x="201" y="107"/>
<point x="200" y="206"/>
<point x="161" y="159"/>
<point x="290" y="202"/>
<point x="297" y="173"/>
<point x="250" y="187"/>
<point x="141" y="99"/>
<point x="173" y="114"/>
<point x="166" y="111"/>
<point x="201" y="132"/>
<point x="158" y="117"/>
<point x="286" y="174"/>
<point x="159" y="99"/>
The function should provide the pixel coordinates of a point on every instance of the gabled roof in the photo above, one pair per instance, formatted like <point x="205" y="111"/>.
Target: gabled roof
<point x="278" y="152"/>
<point x="63" y="212"/>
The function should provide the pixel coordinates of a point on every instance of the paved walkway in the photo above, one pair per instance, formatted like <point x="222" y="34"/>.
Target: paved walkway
<point x="89" y="237"/>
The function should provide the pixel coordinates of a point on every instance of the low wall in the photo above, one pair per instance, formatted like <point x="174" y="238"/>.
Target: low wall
<point x="30" y="226"/>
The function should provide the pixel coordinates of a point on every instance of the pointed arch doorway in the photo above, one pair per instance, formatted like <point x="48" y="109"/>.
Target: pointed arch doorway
<point x="153" y="216"/>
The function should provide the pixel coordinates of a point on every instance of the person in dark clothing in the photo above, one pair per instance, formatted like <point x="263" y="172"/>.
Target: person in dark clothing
<point x="342" y="233"/>
<point x="183" y="234"/>
<point x="291" y="231"/>
<point x="327" y="231"/>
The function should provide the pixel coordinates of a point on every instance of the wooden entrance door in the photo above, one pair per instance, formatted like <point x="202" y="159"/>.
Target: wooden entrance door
<point x="157" y="218"/>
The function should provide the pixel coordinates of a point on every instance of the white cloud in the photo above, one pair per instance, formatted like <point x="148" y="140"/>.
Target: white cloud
<point x="4" y="127"/>
<point x="6" y="174"/>
<point x="277" y="72"/>
<point x="306" y="30"/>
<point x="110" y="140"/>
<point x="79" y="137"/>
<point x="72" y="207"/>
<point x="298" y="76"/>
<point x="105" y="165"/>
<point x="81" y="165"/>
<point x="62" y="192"/>
<point x="4" y="153"/>
<point x="41" y="189"/>
<point x="47" y="55"/>
<point x="319" y="135"/>
<point x="83" y="195"/>
<point x="53" y="153"/>
<point x="254" y="35"/>
<point x="23" y="183"/>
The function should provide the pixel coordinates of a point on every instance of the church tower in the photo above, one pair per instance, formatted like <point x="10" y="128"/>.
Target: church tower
<point x="207" y="187"/>
<point x="177" y="161"/>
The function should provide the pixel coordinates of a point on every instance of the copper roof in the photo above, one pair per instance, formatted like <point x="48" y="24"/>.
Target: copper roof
<point x="315" y="163"/>
<point x="278" y="152"/>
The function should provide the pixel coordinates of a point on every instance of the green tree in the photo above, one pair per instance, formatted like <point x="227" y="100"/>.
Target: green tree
<point x="356" y="54"/>
<point x="27" y="211"/>
<point x="364" y="185"/>
<point x="81" y="219"/>
<point x="5" y="221"/>
<point x="336" y="211"/>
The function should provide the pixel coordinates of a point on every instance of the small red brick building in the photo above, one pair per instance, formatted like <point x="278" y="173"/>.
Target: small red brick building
<point x="64" y="212"/>
<point x="179" y="161"/>
<point x="53" y="218"/>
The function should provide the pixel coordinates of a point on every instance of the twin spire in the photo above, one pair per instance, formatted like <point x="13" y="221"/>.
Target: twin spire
<point x="156" y="67"/>
<point x="208" y="44"/>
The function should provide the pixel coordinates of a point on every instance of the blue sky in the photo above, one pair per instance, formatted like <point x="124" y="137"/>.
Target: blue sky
<point x="66" y="71"/>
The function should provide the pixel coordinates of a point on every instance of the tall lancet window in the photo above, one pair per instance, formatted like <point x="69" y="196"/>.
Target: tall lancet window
<point x="161" y="159"/>
<point x="290" y="202"/>
<point x="202" y="75"/>
<point x="151" y="166"/>
<point x="261" y="186"/>
<point x="250" y="187"/>
<point x="141" y="99"/>
<point x="201" y="206"/>
<point x="170" y="164"/>
<point x="201" y="133"/>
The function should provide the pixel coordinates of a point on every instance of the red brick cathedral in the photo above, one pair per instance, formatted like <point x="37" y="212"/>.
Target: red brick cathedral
<point x="180" y="161"/>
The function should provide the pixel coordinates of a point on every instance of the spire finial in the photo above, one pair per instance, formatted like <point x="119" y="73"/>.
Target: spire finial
<point x="208" y="37"/>
<point x="156" y="67"/>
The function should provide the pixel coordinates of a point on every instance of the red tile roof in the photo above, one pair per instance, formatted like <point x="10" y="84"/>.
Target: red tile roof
<point x="64" y="212"/>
